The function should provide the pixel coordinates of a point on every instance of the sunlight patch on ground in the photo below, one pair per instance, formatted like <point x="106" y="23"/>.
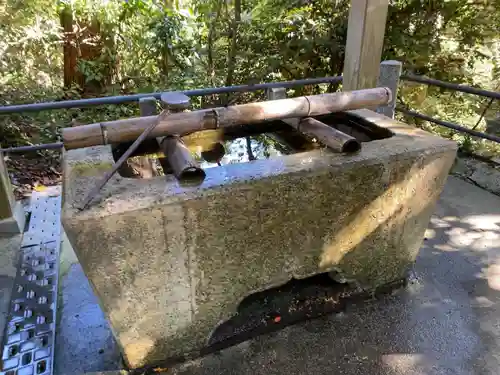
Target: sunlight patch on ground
<point x="482" y="301"/>
<point x="445" y="247"/>
<point x="483" y="222"/>
<point x="439" y="223"/>
<point x="476" y="232"/>
<point x="493" y="276"/>
<point x="403" y="362"/>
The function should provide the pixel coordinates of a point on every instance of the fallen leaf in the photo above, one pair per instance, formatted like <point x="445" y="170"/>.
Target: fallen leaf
<point x="40" y="187"/>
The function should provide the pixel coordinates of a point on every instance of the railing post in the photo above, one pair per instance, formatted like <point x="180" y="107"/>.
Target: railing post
<point x="147" y="106"/>
<point x="11" y="212"/>
<point x="390" y="71"/>
<point x="276" y="93"/>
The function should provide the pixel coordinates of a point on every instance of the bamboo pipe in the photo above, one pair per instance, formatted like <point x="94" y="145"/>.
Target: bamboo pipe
<point x="189" y="122"/>
<point x="173" y="102"/>
<point x="331" y="137"/>
<point x="185" y="168"/>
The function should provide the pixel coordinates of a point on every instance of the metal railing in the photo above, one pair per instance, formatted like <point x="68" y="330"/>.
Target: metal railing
<point x="123" y="99"/>
<point x="454" y="87"/>
<point x="22" y="149"/>
<point x="458" y="128"/>
<point x="450" y="86"/>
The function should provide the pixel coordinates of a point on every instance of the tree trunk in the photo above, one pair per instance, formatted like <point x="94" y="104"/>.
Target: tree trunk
<point x="211" y="32"/>
<point x="231" y="57"/>
<point x="84" y="40"/>
<point x="69" y="47"/>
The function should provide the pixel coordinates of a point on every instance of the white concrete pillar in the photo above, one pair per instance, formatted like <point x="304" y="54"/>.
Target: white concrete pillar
<point x="390" y="71"/>
<point x="12" y="215"/>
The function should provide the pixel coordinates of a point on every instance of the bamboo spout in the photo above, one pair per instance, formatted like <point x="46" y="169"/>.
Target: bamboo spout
<point x="331" y="137"/>
<point x="185" y="168"/>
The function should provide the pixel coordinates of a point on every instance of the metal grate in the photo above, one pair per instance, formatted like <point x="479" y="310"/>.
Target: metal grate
<point x="28" y="347"/>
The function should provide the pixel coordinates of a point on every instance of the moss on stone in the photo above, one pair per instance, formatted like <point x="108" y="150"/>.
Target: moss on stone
<point x="90" y="168"/>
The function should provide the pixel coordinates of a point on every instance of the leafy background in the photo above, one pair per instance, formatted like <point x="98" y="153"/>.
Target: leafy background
<point x="55" y="50"/>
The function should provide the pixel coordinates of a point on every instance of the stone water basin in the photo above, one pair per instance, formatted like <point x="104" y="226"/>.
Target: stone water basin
<point x="171" y="262"/>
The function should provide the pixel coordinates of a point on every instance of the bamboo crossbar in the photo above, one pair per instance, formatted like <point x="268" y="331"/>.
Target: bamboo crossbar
<point x="189" y="122"/>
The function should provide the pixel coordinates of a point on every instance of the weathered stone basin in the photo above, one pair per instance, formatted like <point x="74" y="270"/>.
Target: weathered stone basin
<point x="169" y="263"/>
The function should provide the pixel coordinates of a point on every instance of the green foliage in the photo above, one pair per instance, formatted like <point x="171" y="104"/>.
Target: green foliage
<point x="151" y="45"/>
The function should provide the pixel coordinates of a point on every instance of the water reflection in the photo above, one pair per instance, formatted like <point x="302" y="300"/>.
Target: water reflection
<point x="243" y="143"/>
<point x="240" y="150"/>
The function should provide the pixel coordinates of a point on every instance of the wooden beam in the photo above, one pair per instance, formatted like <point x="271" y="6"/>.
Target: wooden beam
<point x="365" y="39"/>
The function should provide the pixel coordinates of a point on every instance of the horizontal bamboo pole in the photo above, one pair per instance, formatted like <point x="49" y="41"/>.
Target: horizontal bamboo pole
<point x="189" y="122"/>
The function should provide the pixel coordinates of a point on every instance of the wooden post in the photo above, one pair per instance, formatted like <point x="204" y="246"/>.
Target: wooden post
<point x="11" y="212"/>
<point x="365" y="39"/>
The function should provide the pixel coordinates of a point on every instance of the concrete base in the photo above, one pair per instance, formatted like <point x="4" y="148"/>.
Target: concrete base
<point x="170" y="263"/>
<point x="15" y="224"/>
<point x="9" y="258"/>
<point x="11" y="212"/>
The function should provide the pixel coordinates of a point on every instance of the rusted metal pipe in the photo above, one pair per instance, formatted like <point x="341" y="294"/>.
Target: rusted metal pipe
<point x="190" y="122"/>
<point x="327" y="135"/>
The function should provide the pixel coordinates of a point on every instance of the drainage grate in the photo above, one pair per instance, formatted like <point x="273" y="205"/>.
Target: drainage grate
<point x="28" y="347"/>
